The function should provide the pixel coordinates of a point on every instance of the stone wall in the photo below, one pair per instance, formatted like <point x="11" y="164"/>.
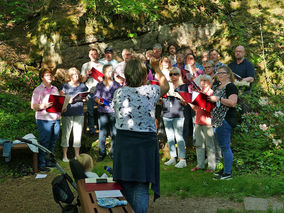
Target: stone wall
<point x="184" y="35"/>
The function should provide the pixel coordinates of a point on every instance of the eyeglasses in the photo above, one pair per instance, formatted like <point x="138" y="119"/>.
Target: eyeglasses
<point x="208" y="67"/>
<point x="175" y="74"/>
<point x="221" y="73"/>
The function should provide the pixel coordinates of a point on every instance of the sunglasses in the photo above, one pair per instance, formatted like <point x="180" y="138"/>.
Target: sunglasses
<point x="175" y="74"/>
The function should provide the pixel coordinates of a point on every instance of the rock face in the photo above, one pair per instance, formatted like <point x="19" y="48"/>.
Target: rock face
<point x="183" y="35"/>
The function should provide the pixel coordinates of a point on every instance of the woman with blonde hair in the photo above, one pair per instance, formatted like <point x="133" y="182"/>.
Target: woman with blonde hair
<point x="136" y="161"/>
<point x="165" y="65"/>
<point x="224" y="116"/>
<point x="173" y="117"/>
<point x="73" y="118"/>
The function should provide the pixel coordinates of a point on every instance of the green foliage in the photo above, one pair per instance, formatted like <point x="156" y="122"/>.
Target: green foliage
<point x="257" y="141"/>
<point x="134" y="9"/>
<point x="15" y="11"/>
<point x="16" y="117"/>
<point x="14" y="81"/>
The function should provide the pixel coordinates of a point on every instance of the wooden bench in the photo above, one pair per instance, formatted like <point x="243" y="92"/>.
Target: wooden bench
<point x="89" y="204"/>
<point x="24" y="146"/>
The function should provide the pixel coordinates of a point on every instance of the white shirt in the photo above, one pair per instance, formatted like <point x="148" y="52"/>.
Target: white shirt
<point x="113" y="62"/>
<point x="91" y="175"/>
<point x="91" y="82"/>
<point x="119" y="69"/>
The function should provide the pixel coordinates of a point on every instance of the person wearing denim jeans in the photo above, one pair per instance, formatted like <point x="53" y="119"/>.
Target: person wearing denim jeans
<point x="137" y="194"/>
<point x="173" y="117"/>
<point x="103" y="96"/>
<point x="223" y="137"/>
<point x="48" y="135"/>
<point x="174" y="131"/>
<point x="224" y="116"/>
<point x="106" y="121"/>
<point x="91" y="84"/>
<point x="48" y="123"/>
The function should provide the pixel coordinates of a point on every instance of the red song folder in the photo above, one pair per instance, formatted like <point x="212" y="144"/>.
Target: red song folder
<point x="96" y="74"/>
<point x="57" y="105"/>
<point x="198" y="99"/>
<point x="102" y="186"/>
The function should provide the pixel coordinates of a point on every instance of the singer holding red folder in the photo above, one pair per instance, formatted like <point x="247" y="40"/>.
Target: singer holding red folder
<point x="203" y="130"/>
<point x="103" y="96"/>
<point x="48" y="124"/>
<point x="136" y="162"/>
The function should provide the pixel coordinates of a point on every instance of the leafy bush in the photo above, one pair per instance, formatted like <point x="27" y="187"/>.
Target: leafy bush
<point x="257" y="141"/>
<point x="16" y="117"/>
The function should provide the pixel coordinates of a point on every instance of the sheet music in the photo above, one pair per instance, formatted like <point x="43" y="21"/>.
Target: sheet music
<point x="194" y="95"/>
<point x="66" y="102"/>
<point x="108" y="193"/>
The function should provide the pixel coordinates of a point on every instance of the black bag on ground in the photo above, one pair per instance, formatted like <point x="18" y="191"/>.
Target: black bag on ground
<point x="62" y="193"/>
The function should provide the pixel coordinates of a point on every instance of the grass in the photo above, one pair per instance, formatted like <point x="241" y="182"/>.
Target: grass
<point x="185" y="183"/>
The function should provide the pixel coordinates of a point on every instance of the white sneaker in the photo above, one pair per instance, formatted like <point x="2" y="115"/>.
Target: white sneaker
<point x="181" y="164"/>
<point x="170" y="162"/>
<point x="66" y="160"/>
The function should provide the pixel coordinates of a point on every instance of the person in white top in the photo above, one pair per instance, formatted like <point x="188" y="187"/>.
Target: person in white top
<point x="91" y="84"/>
<point x="119" y="69"/>
<point x="108" y="59"/>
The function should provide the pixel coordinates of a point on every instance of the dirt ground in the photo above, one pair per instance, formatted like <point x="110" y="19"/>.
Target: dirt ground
<point x="29" y="195"/>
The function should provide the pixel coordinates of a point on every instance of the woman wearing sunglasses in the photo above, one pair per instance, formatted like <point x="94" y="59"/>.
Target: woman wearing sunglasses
<point x="173" y="117"/>
<point x="224" y="116"/>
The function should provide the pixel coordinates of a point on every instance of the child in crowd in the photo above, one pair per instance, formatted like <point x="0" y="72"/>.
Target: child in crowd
<point x="204" y="130"/>
<point x="74" y="115"/>
<point x="87" y="163"/>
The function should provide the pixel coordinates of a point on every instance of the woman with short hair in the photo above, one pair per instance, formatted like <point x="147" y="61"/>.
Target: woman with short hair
<point x="48" y="124"/>
<point x="136" y="152"/>
<point x="73" y="118"/>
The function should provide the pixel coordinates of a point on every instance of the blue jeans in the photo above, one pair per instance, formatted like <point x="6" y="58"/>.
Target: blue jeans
<point x="174" y="131"/>
<point x="223" y="137"/>
<point x="186" y="125"/>
<point x="48" y="133"/>
<point x="90" y="109"/>
<point x="137" y="195"/>
<point x="106" y="122"/>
